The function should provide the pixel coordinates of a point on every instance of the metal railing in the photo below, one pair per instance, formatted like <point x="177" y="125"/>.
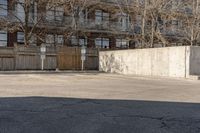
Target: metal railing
<point x="66" y="22"/>
<point x="88" y="24"/>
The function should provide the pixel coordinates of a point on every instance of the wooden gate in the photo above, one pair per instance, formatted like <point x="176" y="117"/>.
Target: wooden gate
<point x="69" y="58"/>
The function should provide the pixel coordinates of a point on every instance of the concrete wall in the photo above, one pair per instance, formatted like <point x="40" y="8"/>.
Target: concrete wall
<point x="169" y="61"/>
<point x="195" y="61"/>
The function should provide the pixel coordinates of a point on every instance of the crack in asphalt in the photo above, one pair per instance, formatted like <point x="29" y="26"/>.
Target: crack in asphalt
<point x="163" y="120"/>
<point x="136" y="116"/>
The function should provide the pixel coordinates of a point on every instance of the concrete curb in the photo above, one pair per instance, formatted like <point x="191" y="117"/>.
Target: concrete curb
<point x="194" y="77"/>
<point x="45" y="72"/>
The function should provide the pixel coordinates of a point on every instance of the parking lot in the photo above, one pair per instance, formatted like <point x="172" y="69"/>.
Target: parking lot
<point x="97" y="103"/>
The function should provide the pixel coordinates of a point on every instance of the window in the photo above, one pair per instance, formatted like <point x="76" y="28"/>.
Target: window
<point x="20" y="10"/>
<point x="83" y="15"/>
<point x="101" y="16"/>
<point x="50" y="15"/>
<point x="174" y="22"/>
<point x="52" y="40"/>
<point x="33" y="12"/>
<point x="102" y="42"/>
<point x="55" y="14"/>
<point x="105" y="16"/>
<point x="3" y="7"/>
<point x="81" y="42"/>
<point x="124" y="21"/>
<point x="33" y="40"/>
<point x="59" y="12"/>
<point x="59" y="39"/>
<point x="20" y="37"/>
<point x="175" y="4"/>
<point x="3" y="38"/>
<point x="122" y="43"/>
<point x="98" y="16"/>
<point x="175" y="25"/>
<point x="139" y="20"/>
<point x="74" y="40"/>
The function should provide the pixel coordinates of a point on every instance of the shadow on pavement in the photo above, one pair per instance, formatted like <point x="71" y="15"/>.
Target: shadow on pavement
<point x="68" y="115"/>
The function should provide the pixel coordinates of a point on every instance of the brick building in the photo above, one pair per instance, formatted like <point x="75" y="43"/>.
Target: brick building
<point x="105" y="24"/>
<point x="96" y="26"/>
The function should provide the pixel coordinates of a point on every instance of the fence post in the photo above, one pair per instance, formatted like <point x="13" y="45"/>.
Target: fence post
<point x="98" y="49"/>
<point x="83" y="57"/>
<point x="42" y="55"/>
<point x="57" y="57"/>
<point x="15" y="56"/>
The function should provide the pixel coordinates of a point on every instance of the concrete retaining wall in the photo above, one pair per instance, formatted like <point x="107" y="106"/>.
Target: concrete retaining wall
<point x="194" y="60"/>
<point x="169" y="61"/>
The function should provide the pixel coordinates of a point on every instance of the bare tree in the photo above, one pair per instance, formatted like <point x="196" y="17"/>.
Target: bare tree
<point x="76" y="13"/>
<point x="191" y="21"/>
<point x="24" y="16"/>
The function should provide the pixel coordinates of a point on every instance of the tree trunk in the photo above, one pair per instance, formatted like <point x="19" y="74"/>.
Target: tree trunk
<point x="26" y="26"/>
<point x="192" y="36"/>
<point x="152" y="33"/>
<point x="143" y="24"/>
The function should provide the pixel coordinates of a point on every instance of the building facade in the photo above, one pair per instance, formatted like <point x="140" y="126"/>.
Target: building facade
<point x="106" y="24"/>
<point x="92" y="27"/>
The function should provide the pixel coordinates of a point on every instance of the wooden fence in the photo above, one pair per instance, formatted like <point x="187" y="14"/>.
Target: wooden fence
<point x="92" y="59"/>
<point x="7" y="60"/>
<point x="70" y="59"/>
<point x="63" y="58"/>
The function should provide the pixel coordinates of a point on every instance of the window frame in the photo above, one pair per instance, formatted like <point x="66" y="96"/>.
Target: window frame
<point x="54" y="39"/>
<point x="55" y="14"/>
<point x="20" y="37"/>
<point x="3" y="42"/>
<point x="100" y="43"/>
<point x="121" y="42"/>
<point x="77" y="42"/>
<point x="101" y="16"/>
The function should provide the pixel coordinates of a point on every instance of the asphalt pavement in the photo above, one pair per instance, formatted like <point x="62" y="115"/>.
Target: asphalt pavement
<point x="98" y="103"/>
